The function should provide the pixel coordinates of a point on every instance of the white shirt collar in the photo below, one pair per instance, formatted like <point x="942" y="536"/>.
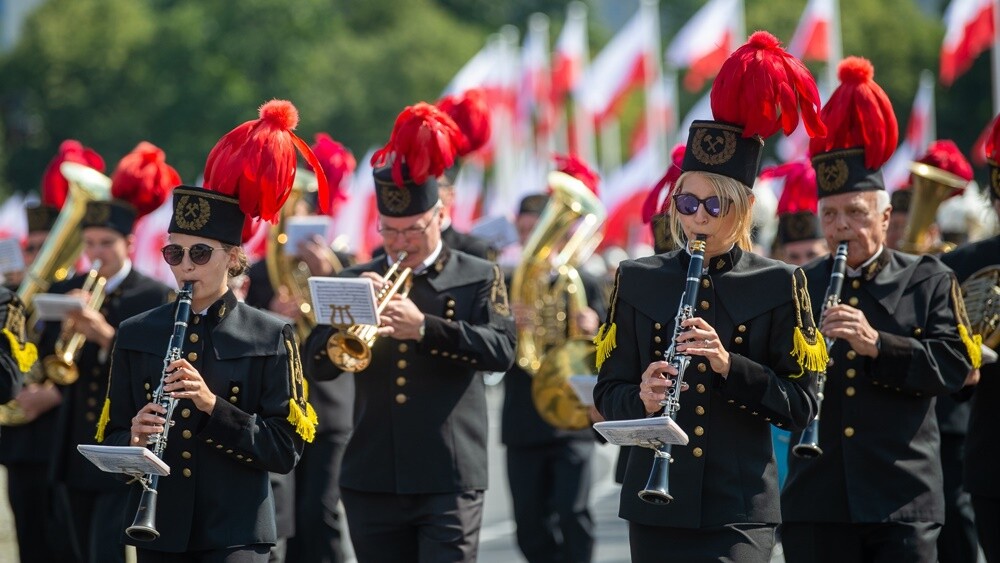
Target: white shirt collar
<point x="431" y="258"/>
<point x="856" y="272"/>
<point x="114" y="281"/>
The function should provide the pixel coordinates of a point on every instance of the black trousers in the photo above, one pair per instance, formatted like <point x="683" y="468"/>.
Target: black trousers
<point x="242" y="554"/>
<point x="427" y="528"/>
<point x="735" y="543"/>
<point x="550" y="492"/>
<point x="988" y="524"/>
<point x="319" y="532"/>
<point x="40" y="528"/>
<point x="957" y="542"/>
<point x="98" y="520"/>
<point x="890" y="542"/>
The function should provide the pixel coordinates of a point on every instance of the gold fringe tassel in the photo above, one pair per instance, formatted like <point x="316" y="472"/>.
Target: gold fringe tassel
<point x="304" y="423"/>
<point x="812" y="357"/>
<point x="606" y="342"/>
<point x="103" y="421"/>
<point x="973" y="345"/>
<point x="26" y="354"/>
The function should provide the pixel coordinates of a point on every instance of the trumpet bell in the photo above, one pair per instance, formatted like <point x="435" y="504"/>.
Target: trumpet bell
<point x="348" y="352"/>
<point x="59" y="371"/>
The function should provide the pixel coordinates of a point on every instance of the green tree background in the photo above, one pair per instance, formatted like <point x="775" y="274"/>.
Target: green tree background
<point x="180" y="73"/>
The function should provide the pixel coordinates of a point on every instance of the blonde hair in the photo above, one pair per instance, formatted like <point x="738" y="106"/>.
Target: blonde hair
<point x="242" y="263"/>
<point x="735" y="198"/>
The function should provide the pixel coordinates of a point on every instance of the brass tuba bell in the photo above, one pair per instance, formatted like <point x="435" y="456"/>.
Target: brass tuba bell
<point x="555" y="348"/>
<point x="931" y="186"/>
<point x="350" y="348"/>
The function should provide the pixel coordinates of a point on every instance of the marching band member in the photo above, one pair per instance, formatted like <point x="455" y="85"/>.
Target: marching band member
<point x="414" y="471"/>
<point x="140" y="184"/>
<point x="799" y="239"/>
<point x="549" y="469"/>
<point x="875" y="492"/>
<point x="981" y="443"/>
<point x="242" y="410"/>
<point x="752" y="342"/>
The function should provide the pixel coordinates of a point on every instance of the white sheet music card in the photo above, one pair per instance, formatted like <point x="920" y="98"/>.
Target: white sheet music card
<point x="130" y="460"/>
<point x="11" y="259"/>
<point x="497" y="231"/>
<point x="55" y="306"/>
<point x="302" y="228"/>
<point x="583" y="386"/>
<point x="348" y="301"/>
<point x="645" y="432"/>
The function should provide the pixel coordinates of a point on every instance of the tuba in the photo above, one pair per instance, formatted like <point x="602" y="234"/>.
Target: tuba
<point x="931" y="186"/>
<point x="61" y="368"/>
<point x="555" y="348"/>
<point x="350" y="347"/>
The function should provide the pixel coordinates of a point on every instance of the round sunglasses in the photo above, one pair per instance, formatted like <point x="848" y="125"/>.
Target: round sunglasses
<point x="687" y="204"/>
<point x="199" y="254"/>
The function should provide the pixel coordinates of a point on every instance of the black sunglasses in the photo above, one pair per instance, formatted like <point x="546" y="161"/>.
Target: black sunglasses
<point x="687" y="204"/>
<point x="199" y="253"/>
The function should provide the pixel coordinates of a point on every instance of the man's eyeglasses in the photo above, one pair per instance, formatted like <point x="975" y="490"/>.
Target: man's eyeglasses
<point x="687" y="204"/>
<point x="409" y="232"/>
<point x="199" y="253"/>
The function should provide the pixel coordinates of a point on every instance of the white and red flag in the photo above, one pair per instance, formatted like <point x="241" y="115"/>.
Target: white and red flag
<point x="811" y="41"/>
<point x="969" y="31"/>
<point x="920" y="132"/>
<point x="703" y="44"/>
<point x="570" y="54"/>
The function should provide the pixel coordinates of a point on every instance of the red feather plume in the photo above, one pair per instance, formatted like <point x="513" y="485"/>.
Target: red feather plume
<point x="471" y="113"/>
<point x="54" y="185"/>
<point x="944" y="154"/>
<point x="144" y="179"/>
<point x="858" y="114"/>
<point x="666" y="182"/>
<point x="762" y="88"/>
<point x="338" y="163"/>
<point x="577" y="168"/>
<point x="425" y="139"/>
<point x="256" y="162"/>
<point x="799" y="193"/>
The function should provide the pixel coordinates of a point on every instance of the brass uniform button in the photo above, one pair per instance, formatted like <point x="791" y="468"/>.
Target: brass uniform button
<point x="233" y="399"/>
<point x="657" y="339"/>
<point x="657" y="326"/>
<point x="702" y="368"/>
<point x="849" y="391"/>
<point x="738" y="340"/>
<point x="851" y="373"/>
<point x="186" y="472"/>
<point x="193" y="357"/>
<point x="401" y="381"/>
<point x="186" y="455"/>
<point x="401" y="364"/>
<point x="699" y="410"/>
<point x="851" y="354"/>
<point x="193" y="337"/>
<point x="400" y="398"/>
<point x="697" y="452"/>
<point x="146" y="385"/>
<point x="698" y="431"/>
<point x="450" y="303"/>
<point x="91" y="402"/>
<point x="704" y="305"/>
<point x="185" y="413"/>
<point x="853" y="301"/>
<point x="917" y="332"/>
<point x="94" y="386"/>
<point x="403" y="347"/>
<point x="856" y="284"/>
<point x="91" y="417"/>
<point x="705" y="283"/>
<point x="449" y="313"/>
<point x="235" y="389"/>
<point x="742" y="328"/>
<point x="848" y="431"/>
<point x="700" y="388"/>
<point x="186" y="433"/>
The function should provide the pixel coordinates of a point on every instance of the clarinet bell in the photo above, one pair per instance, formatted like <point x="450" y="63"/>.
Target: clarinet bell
<point x="656" y="490"/>
<point x="808" y="446"/>
<point x="143" y="528"/>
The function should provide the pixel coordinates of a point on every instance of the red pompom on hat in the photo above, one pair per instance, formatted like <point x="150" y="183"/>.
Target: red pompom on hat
<point x="471" y="113"/>
<point x="54" y="185"/>
<point x="944" y="154"/>
<point x="578" y="168"/>
<point x="859" y="114"/>
<point x="144" y="179"/>
<point x="338" y="163"/>
<point x="799" y="193"/>
<point x="762" y="88"/>
<point x="649" y="205"/>
<point x="424" y="142"/>
<point x="256" y="162"/>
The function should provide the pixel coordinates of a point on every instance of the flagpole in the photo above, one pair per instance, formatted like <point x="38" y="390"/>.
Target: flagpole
<point x="538" y="25"/>
<point x="582" y="120"/>
<point x="927" y="82"/>
<point x="834" y="43"/>
<point x="655" y="131"/>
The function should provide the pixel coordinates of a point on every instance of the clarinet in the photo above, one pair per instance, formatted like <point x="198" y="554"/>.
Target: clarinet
<point x="143" y="528"/>
<point x="808" y="446"/>
<point x="657" y="489"/>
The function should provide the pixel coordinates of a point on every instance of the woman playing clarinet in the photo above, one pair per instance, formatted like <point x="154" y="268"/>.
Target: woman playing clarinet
<point x="241" y="410"/>
<point x="750" y="345"/>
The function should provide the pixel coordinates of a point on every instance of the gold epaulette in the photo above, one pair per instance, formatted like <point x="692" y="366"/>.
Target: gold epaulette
<point x="301" y="414"/>
<point x="24" y="352"/>
<point x="606" y="338"/>
<point x="973" y="342"/>
<point x="808" y="345"/>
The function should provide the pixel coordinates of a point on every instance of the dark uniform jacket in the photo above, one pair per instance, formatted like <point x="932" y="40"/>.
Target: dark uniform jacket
<point x="522" y="425"/>
<point x="758" y="306"/>
<point x="878" y="429"/>
<point x="982" y="445"/>
<point x="82" y="401"/>
<point x="217" y="494"/>
<point x="420" y="407"/>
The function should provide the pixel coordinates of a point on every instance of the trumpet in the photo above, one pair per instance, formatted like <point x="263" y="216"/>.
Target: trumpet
<point x="143" y="527"/>
<point x="350" y="348"/>
<point x="61" y="367"/>
<point x="808" y="446"/>
<point x="657" y="489"/>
